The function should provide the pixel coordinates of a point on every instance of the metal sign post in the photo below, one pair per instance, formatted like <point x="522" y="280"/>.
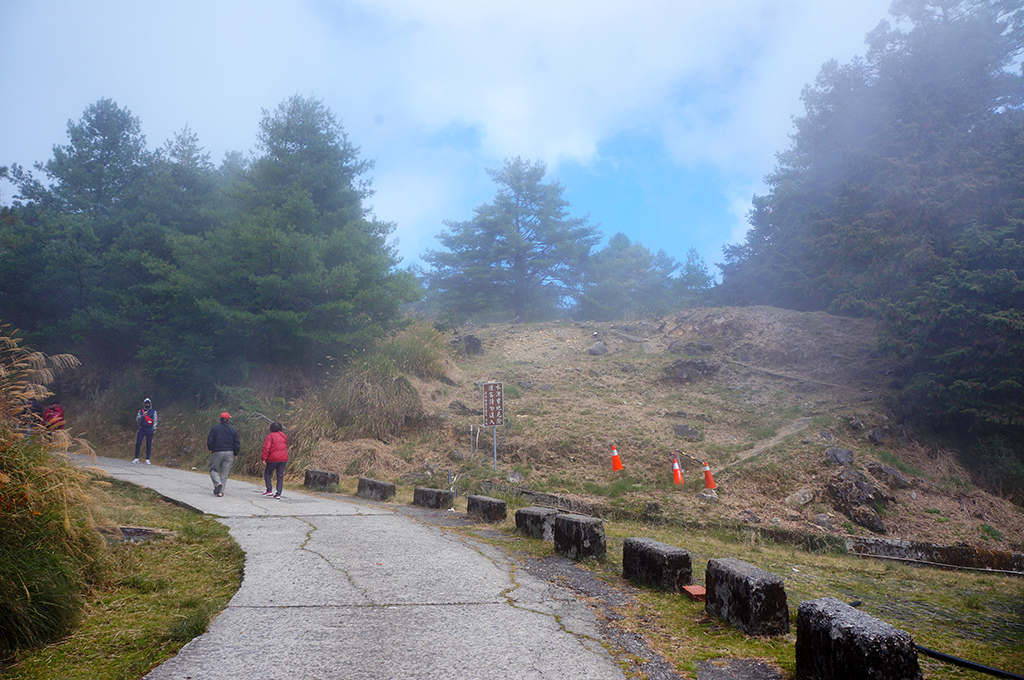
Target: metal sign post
<point x="494" y="412"/>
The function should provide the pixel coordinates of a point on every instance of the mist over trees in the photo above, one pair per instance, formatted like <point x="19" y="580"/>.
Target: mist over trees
<point x="523" y="257"/>
<point x="902" y="196"/>
<point x="197" y="273"/>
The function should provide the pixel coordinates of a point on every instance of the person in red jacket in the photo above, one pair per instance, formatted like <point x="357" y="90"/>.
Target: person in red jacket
<point x="275" y="455"/>
<point x="53" y="416"/>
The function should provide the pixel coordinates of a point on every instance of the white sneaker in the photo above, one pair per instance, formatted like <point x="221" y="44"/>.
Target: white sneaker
<point x="135" y="462"/>
<point x="147" y="462"/>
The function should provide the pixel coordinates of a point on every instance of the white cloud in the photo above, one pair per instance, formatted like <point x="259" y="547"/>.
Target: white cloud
<point x="437" y="91"/>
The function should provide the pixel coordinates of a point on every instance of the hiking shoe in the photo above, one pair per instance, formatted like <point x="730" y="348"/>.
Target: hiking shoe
<point x="147" y="462"/>
<point x="278" y="496"/>
<point x="216" y="490"/>
<point x="268" y="493"/>
<point x="135" y="462"/>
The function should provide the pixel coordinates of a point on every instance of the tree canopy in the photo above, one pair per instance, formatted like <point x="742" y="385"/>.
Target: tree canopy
<point x="901" y="196"/>
<point x="521" y="255"/>
<point x="194" y="272"/>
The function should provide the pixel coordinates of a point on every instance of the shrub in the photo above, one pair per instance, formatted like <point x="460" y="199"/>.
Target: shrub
<point x="420" y="350"/>
<point x="372" y="398"/>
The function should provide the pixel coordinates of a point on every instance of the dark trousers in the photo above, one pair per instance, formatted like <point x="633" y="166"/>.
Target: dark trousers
<point x="269" y="473"/>
<point x="148" y="434"/>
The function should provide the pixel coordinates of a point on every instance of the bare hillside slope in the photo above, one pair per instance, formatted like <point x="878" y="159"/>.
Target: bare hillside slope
<point x="760" y="394"/>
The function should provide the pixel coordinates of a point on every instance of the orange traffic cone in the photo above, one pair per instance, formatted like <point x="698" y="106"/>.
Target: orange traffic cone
<point x="677" y="474"/>
<point x="709" y="481"/>
<point x="616" y="463"/>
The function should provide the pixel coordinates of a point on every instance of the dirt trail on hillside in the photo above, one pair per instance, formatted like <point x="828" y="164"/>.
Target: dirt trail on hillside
<point x="764" y="444"/>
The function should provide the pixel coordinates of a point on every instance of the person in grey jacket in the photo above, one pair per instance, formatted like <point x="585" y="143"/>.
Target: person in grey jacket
<point x="223" y="443"/>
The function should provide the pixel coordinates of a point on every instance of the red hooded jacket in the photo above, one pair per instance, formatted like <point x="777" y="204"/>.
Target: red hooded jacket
<point x="275" y="448"/>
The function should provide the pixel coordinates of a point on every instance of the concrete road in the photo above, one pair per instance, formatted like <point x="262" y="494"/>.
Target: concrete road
<point x="344" y="589"/>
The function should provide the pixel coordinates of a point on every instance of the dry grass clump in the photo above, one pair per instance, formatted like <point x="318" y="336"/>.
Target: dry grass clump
<point x="371" y="397"/>
<point x="356" y="457"/>
<point x="420" y="350"/>
<point x="49" y="551"/>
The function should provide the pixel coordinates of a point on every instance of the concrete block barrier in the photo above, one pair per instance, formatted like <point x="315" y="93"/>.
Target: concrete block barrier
<point x="486" y="509"/>
<point x="838" y="642"/>
<point x="375" y="489"/>
<point x="319" y="480"/>
<point x="656" y="564"/>
<point x="433" y="498"/>
<point x="745" y="596"/>
<point x="579" y="536"/>
<point x="537" y="522"/>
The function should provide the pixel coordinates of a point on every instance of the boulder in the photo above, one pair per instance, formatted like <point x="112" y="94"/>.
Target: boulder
<point x="855" y="496"/>
<point x="690" y="370"/>
<point x="868" y="517"/>
<point x="889" y="475"/>
<point x="800" y="498"/>
<point x="849" y="488"/>
<point x="823" y="520"/>
<point x="472" y="344"/>
<point x="837" y="456"/>
<point x="597" y="349"/>
<point x="877" y="435"/>
<point x="686" y="432"/>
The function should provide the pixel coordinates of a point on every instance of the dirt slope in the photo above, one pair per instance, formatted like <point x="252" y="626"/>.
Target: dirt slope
<point x="758" y="393"/>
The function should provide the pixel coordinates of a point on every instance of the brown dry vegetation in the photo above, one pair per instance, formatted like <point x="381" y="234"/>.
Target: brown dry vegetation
<point x="778" y="389"/>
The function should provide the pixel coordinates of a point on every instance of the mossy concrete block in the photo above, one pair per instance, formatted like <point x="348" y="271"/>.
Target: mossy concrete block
<point x="537" y="522"/>
<point x="656" y="564"/>
<point x="375" y="489"/>
<point x="838" y="642"/>
<point x="486" y="508"/>
<point x="320" y="480"/>
<point x="579" y="536"/>
<point x="746" y="596"/>
<point x="437" y="499"/>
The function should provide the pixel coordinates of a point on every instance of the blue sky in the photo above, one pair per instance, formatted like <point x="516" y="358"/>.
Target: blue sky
<point x="660" y="118"/>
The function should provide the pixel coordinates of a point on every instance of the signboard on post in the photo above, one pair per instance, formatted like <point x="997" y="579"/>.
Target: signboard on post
<point x="494" y="412"/>
<point x="494" y="409"/>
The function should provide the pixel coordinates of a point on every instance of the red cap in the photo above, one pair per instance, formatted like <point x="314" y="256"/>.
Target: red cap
<point x="225" y="415"/>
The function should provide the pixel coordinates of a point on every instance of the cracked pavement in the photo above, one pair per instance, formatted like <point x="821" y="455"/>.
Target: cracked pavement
<point x="340" y="588"/>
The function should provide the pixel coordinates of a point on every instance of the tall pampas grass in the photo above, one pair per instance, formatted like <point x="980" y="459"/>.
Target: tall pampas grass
<point x="49" y="549"/>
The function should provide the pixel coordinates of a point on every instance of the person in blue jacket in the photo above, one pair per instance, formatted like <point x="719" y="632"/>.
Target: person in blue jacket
<point x="146" y="418"/>
<point x="224" y="444"/>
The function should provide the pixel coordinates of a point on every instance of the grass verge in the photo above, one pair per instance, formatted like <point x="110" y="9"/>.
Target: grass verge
<point x="971" y="615"/>
<point x="155" y="596"/>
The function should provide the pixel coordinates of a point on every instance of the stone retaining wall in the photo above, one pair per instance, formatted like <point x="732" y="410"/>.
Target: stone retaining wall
<point x="937" y="555"/>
